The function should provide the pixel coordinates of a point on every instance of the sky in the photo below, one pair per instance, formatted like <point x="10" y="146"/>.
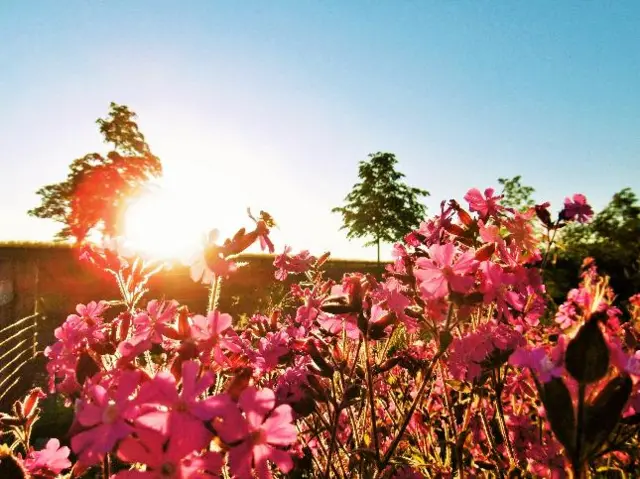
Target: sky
<point x="271" y="105"/>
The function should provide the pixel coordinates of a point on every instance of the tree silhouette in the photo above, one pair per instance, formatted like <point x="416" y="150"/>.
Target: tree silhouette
<point x="97" y="188"/>
<point x="381" y="205"/>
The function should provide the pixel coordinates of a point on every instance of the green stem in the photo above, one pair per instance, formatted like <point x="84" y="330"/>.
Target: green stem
<point x="492" y="442"/>
<point x="214" y="294"/>
<point x="412" y="409"/>
<point x="503" y="426"/>
<point x="374" y="427"/>
<point x="452" y="422"/>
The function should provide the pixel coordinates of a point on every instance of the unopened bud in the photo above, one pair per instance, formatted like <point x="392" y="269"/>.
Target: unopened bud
<point x="486" y="252"/>
<point x="239" y="383"/>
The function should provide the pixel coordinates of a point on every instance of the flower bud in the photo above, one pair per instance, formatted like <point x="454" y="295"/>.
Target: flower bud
<point x="486" y="252"/>
<point x="239" y="383"/>
<point x="322" y="259"/>
<point x="125" y="324"/>
<point x="184" y="327"/>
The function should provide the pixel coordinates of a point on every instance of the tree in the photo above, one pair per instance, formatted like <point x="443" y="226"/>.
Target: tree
<point x="612" y="239"/>
<point x="96" y="191"/>
<point x="516" y="195"/>
<point x="381" y="206"/>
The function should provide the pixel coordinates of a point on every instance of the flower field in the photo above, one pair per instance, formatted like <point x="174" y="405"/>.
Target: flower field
<point x="454" y="362"/>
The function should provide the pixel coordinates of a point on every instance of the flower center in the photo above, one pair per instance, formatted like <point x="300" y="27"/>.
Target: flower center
<point x="181" y="406"/>
<point x="258" y="437"/>
<point x="110" y="413"/>
<point x="167" y="469"/>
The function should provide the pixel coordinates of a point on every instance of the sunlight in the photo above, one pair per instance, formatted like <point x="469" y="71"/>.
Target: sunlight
<point x="161" y="225"/>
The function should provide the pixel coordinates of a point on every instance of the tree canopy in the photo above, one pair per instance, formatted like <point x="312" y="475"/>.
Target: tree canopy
<point x="95" y="193"/>
<point x="612" y="239"/>
<point x="381" y="206"/>
<point x="515" y="194"/>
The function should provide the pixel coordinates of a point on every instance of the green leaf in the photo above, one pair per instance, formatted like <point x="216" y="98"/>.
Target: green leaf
<point x="559" y="407"/>
<point x="587" y="356"/>
<point x="604" y="413"/>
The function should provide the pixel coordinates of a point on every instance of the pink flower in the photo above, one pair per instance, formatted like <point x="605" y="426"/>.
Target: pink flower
<point x="260" y="433"/>
<point x="286" y="263"/>
<point x="155" y="321"/>
<point x="92" y="312"/>
<point x="469" y="353"/>
<point x="165" y="410"/>
<point x="163" y="460"/>
<point x="394" y="299"/>
<point x="336" y="323"/>
<point x="537" y="359"/>
<point x="271" y="348"/>
<point x="211" y="261"/>
<point x="51" y="460"/>
<point x="485" y="205"/>
<point x="443" y="271"/>
<point x="213" y="334"/>
<point x="577" y="209"/>
<point x="106" y="419"/>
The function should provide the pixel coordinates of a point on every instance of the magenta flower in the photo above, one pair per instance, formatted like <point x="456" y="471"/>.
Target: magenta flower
<point x="106" y="419"/>
<point x="92" y="312"/>
<point x="485" y="205"/>
<point x="271" y="348"/>
<point x="287" y="264"/>
<point x="396" y="300"/>
<point x="152" y="323"/>
<point x="577" y="208"/>
<point x="51" y="460"/>
<point x="468" y="353"/>
<point x="172" y="460"/>
<point x="171" y="413"/>
<point x="538" y="361"/>
<point x="443" y="270"/>
<point x="336" y="323"/>
<point x="213" y="334"/>
<point x="258" y="434"/>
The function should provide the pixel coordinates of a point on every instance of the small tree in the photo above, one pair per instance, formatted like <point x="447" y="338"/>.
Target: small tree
<point x="516" y="195"/>
<point x="381" y="206"/>
<point x="97" y="188"/>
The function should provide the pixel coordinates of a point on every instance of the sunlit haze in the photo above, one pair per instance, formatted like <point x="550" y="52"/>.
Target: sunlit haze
<point x="270" y="105"/>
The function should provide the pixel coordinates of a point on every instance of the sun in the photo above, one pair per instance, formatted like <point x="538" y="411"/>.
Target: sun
<point x="162" y="225"/>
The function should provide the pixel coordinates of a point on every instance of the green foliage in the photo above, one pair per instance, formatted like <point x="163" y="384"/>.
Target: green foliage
<point x="97" y="188"/>
<point x="612" y="239"/>
<point x="516" y="195"/>
<point x="381" y="206"/>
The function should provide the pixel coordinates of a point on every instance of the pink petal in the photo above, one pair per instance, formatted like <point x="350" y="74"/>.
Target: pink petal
<point x="261" y="453"/>
<point x="240" y="459"/>
<point x="155" y="420"/>
<point x="282" y="459"/>
<point x="278" y="427"/>
<point x="256" y="404"/>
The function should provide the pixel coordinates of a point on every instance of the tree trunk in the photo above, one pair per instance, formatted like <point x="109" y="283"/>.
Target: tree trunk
<point x="378" y="241"/>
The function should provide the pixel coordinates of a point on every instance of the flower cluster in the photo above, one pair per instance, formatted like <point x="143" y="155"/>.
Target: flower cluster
<point x="451" y="363"/>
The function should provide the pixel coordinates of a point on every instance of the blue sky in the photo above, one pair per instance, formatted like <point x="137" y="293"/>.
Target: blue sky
<point x="272" y="104"/>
